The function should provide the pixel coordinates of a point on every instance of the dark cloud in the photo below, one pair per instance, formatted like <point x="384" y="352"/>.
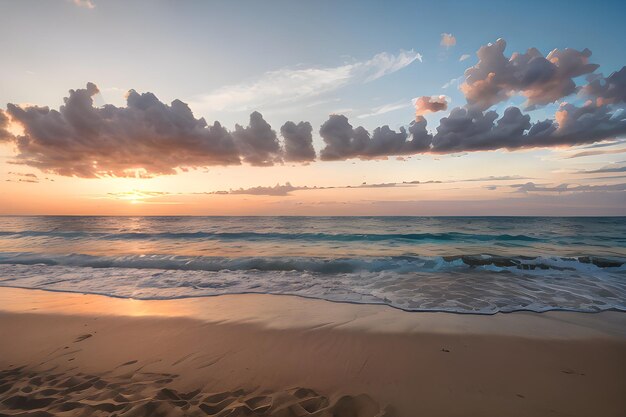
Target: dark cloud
<point x="298" y="142"/>
<point x="609" y="90"/>
<point x="472" y="130"/>
<point x="469" y="129"/>
<point x="20" y="174"/>
<point x="530" y="187"/>
<point x="85" y="141"/>
<point x="344" y="142"/>
<point x="5" y="135"/>
<point x="541" y="79"/>
<point x="258" y="143"/>
<point x="22" y="177"/>
<point x="146" y="138"/>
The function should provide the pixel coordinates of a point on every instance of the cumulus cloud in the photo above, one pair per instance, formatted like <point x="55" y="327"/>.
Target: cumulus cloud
<point x="344" y="142"/>
<point x="448" y="40"/>
<point x="472" y="130"/>
<point x="258" y="143"/>
<point x="428" y="104"/>
<point x="298" y="142"/>
<point x="469" y="129"/>
<point x="85" y="141"/>
<point x="295" y="84"/>
<point x="144" y="138"/>
<point x="541" y="79"/>
<point x="5" y="135"/>
<point x="464" y="57"/>
<point x="148" y="137"/>
<point x="609" y="90"/>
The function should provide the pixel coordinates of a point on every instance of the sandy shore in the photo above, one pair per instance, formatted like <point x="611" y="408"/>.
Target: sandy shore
<point x="72" y="354"/>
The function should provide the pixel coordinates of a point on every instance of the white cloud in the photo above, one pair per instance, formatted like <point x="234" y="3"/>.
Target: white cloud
<point x="453" y="82"/>
<point x="387" y="108"/>
<point x="464" y="57"/>
<point x="296" y="84"/>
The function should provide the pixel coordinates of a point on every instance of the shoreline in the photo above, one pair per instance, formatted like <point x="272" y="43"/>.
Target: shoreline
<point x="305" y="297"/>
<point x="363" y="357"/>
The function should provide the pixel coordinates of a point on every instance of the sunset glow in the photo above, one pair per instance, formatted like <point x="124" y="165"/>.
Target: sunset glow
<point x="129" y="144"/>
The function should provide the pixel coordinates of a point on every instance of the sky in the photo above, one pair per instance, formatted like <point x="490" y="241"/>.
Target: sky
<point x="312" y="108"/>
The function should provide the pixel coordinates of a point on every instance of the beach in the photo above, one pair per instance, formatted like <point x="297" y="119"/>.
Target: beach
<point x="74" y="354"/>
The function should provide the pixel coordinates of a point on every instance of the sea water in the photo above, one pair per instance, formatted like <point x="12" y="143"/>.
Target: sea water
<point x="457" y="264"/>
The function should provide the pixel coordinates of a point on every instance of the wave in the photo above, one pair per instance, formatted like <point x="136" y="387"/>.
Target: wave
<point x="397" y="264"/>
<point x="473" y="290"/>
<point x="258" y="236"/>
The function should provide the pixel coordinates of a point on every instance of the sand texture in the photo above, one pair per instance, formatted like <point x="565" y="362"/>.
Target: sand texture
<point x="82" y="355"/>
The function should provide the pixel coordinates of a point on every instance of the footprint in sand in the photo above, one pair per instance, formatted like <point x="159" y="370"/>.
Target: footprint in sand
<point x="83" y="337"/>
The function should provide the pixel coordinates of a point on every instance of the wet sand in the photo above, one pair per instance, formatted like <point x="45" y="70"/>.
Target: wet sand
<point x="72" y="354"/>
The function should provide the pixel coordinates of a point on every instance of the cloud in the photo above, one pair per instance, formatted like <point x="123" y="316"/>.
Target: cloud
<point x="541" y="79"/>
<point x="85" y="141"/>
<point x="88" y="4"/>
<point x="285" y="190"/>
<point x="387" y="108"/>
<point x="344" y="142"/>
<point x="594" y="153"/>
<point x="607" y="90"/>
<point x="453" y="82"/>
<point x="464" y="57"/>
<point x="531" y="187"/>
<point x="5" y="135"/>
<point x="23" y="177"/>
<point x="497" y="178"/>
<point x="447" y="40"/>
<point x="277" y="190"/>
<point x="145" y="138"/>
<point x="137" y="195"/>
<point x="295" y="84"/>
<point x="605" y="144"/>
<point x="298" y="142"/>
<point x="614" y="167"/>
<point x="469" y="129"/>
<point x="427" y="104"/>
<point x="257" y="142"/>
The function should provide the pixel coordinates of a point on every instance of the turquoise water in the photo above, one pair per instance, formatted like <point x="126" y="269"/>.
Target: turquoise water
<point x="459" y="264"/>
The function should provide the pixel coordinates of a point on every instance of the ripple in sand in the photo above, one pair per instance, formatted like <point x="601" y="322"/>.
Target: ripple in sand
<point x="25" y="393"/>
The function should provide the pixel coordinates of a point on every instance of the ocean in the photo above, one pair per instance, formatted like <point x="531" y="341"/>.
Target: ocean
<point x="479" y="265"/>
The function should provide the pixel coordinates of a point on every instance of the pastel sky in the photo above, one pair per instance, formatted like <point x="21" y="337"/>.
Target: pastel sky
<point x="322" y="107"/>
